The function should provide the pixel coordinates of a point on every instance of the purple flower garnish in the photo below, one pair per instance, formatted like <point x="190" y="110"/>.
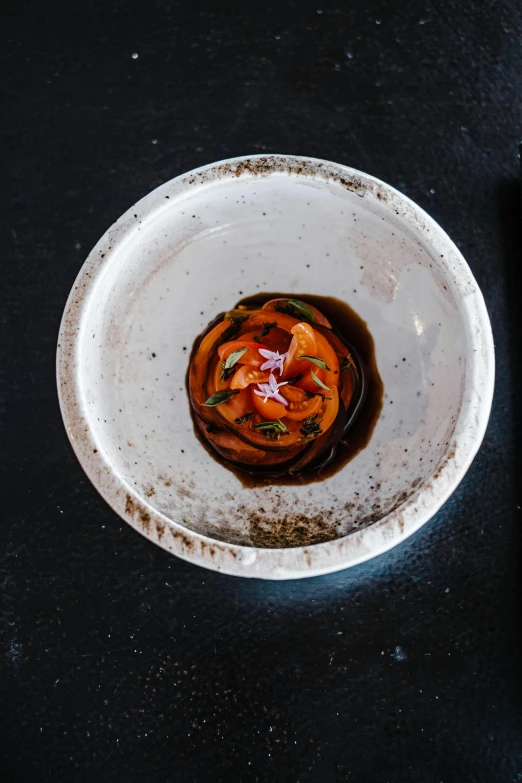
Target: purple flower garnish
<point x="275" y="360"/>
<point x="270" y="390"/>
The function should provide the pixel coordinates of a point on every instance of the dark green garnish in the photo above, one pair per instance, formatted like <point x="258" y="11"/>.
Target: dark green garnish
<point x="295" y="379"/>
<point x="318" y="382"/>
<point x="264" y="331"/>
<point x="272" y="429"/>
<point x="311" y="394"/>
<point x="316" y="360"/>
<point x="311" y="427"/>
<point x="272" y="425"/>
<point x="238" y="314"/>
<point x="219" y="397"/>
<point x="346" y="363"/>
<point x="296" y="308"/>
<point x="226" y="372"/>
<point x="234" y="328"/>
<point x="227" y="368"/>
<point x="302" y="308"/>
<point x="243" y="419"/>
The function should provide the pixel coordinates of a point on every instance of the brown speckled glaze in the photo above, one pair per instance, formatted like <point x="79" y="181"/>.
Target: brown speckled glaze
<point x="234" y="229"/>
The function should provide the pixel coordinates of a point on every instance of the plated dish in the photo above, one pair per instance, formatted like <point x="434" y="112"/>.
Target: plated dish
<point x="276" y="387"/>
<point x="322" y="234"/>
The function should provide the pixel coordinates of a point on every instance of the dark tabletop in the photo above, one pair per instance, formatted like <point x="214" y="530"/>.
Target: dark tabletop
<point x="119" y="662"/>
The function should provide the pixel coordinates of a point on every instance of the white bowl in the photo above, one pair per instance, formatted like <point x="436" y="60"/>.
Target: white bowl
<point x="191" y="249"/>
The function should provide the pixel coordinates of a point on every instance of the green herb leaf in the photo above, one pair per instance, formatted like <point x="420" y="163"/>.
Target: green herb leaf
<point x="277" y="425"/>
<point x="265" y="330"/>
<point x="234" y="328"/>
<point x="311" y="427"/>
<point x="302" y="308"/>
<point x="315" y="360"/>
<point x="226" y="372"/>
<point x="219" y="397"/>
<point x="227" y="368"/>
<point x="295" y="308"/>
<point x="272" y="429"/>
<point x="318" y="382"/>
<point x="243" y="419"/>
<point x="346" y="363"/>
<point x="234" y="357"/>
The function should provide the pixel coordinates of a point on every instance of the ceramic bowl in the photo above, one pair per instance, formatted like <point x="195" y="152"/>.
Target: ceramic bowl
<point x="191" y="249"/>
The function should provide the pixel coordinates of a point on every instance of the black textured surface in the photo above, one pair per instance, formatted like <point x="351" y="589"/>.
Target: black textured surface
<point x="119" y="662"/>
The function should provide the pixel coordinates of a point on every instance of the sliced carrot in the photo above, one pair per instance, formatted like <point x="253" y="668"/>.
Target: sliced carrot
<point x="199" y="366"/>
<point x="231" y="447"/>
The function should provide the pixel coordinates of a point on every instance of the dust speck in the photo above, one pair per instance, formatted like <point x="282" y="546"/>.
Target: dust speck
<point x="399" y="654"/>
<point x="14" y="653"/>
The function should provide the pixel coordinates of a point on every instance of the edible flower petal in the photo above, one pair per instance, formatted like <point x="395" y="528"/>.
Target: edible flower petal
<point x="270" y="390"/>
<point x="275" y="360"/>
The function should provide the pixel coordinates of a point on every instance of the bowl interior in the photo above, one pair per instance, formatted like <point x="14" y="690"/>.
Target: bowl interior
<point x="193" y="256"/>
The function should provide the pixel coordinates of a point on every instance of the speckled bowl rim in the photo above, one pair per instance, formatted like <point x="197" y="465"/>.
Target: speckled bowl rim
<point x="315" y="559"/>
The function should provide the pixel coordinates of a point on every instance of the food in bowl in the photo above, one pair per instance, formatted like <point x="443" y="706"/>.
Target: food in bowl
<point x="276" y="386"/>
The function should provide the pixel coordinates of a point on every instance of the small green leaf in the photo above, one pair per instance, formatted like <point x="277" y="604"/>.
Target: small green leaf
<point x="265" y="330"/>
<point x="226" y="373"/>
<point x="272" y="426"/>
<point x="272" y="429"/>
<point x="302" y="308"/>
<point x="236" y="316"/>
<point x="227" y="369"/>
<point x="315" y="360"/>
<point x="346" y="363"/>
<point x="234" y="357"/>
<point x="318" y="382"/>
<point x="219" y="397"/>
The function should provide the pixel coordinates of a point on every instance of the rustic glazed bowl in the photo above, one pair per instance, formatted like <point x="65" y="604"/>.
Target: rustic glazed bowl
<point x="191" y="249"/>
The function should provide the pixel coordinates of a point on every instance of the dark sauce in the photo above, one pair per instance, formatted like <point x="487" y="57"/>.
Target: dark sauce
<point x="364" y="410"/>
